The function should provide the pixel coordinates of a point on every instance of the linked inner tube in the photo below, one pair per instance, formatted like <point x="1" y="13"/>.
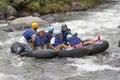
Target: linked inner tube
<point x="48" y="53"/>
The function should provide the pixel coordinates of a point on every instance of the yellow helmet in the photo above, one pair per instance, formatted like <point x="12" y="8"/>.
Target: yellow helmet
<point x="35" y="25"/>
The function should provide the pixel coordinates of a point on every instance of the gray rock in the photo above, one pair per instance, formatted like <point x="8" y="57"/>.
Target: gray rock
<point x="50" y="19"/>
<point x="36" y="15"/>
<point x="10" y="11"/>
<point x="119" y="26"/>
<point x="21" y="26"/>
<point x="11" y="18"/>
<point x="6" y="29"/>
<point x="21" y="1"/>
<point x="23" y="14"/>
<point x="2" y="14"/>
<point x="119" y="43"/>
<point x="24" y="22"/>
<point x="77" y="6"/>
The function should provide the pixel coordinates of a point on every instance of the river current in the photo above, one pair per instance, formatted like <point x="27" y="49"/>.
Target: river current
<point x="103" y="20"/>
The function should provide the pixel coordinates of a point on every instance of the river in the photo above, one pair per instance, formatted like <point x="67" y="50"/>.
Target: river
<point x="102" y="20"/>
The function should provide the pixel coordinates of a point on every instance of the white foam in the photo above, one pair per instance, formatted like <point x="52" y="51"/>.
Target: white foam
<point x="4" y="24"/>
<point x="106" y="18"/>
<point x="6" y="76"/>
<point x="11" y="40"/>
<point x="89" y="65"/>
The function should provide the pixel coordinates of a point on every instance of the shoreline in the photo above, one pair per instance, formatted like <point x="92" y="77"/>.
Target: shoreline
<point x="49" y="7"/>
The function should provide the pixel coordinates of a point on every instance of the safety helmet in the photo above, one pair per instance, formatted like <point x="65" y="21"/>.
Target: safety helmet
<point x="51" y="28"/>
<point x="74" y="33"/>
<point x="64" y="25"/>
<point x="35" y="25"/>
<point x="57" y="32"/>
<point x="69" y="36"/>
<point x="39" y="30"/>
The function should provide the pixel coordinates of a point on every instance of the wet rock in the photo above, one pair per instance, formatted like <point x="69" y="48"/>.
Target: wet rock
<point x="2" y="14"/>
<point x="21" y="26"/>
<point x="77" y="6"/>
<point x="119" y="26"/>
<point x="36" y="15"/>
<point x="6" y="29"/>
<point x="11" y="11"/>
<point x="50" y="19"/>
<point x="23" y="14"/>
<point x="11" y="18"/>
<point x="119" y="44"/>
<point x="20" y="1"/>
<point x="24" y="22"/>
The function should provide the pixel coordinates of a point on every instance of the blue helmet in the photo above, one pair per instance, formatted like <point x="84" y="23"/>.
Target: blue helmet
<point x="57" y="32"/>
<point x="51" y="28"/>
<point x="74" y="33"/>
<point x="69" y="36"/>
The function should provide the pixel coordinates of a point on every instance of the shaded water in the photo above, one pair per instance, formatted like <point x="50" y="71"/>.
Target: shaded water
<point x="102" y="20"/>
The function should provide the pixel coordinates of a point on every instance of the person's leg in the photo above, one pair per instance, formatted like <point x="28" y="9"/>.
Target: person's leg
<point x="91" y="41"/>
<point x="65" y="47"/>
<point x="59" y="47"/>
<point x="45" y="47"/>
<point x="38" y="48"/>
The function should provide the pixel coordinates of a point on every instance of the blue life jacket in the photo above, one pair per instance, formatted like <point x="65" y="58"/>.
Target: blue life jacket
<point x="72" y="41"/>
<point x="49" y="35"/>
<point x="57" y="41"/>
<point x="40" y="41"/>
<point x="64" y="35"/>
<point x="78" y="40"/>
<point x="28" y="33"/>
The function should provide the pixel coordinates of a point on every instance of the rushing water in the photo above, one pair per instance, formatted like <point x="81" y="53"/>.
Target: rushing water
<point x="102" y="21"/>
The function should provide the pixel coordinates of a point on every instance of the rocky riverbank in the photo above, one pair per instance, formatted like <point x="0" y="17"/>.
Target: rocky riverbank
<point x="10" y="9"/>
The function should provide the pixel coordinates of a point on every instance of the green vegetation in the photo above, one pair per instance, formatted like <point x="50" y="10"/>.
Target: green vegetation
<point x="4" y="3"/>
<point x="90" y="3"/>
<point x="50" y="6"/>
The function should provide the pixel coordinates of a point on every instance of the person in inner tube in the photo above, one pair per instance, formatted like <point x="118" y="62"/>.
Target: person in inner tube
<point x="30" y="34"/>
<point x="75" y="42"/>
<point x="64" y="32"/>
<point x="49" y="35"/>
<point x="40" y="40"/>
<point x="56" y="42"/>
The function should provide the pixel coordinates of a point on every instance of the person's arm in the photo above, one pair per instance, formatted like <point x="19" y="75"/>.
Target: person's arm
<point x="52" y="42"/>
<point x="33" y="45"/>
<point x="52" y="47"/>
<point x="33" y="41"/>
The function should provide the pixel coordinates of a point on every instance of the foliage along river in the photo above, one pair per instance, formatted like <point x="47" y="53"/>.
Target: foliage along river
<point x="103" y="20"/>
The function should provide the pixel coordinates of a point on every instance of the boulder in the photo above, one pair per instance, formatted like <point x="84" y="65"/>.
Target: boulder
<point x="77" y="6"/>
<point x="119" y="26"/>
<point x="10" y="11"/>
<point x="2" y="14"/>
<point x="119" y="43"/>
<point x="11" y="18"/>
<point x="24" y="22"/>
<point x="21" y="26"/>
<point x="50" y="19"/>
<point x="23" y="14"/>
<point x="6" y="29"/>
<point x="36" y="15"/>
<point x="21" y="1"/>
